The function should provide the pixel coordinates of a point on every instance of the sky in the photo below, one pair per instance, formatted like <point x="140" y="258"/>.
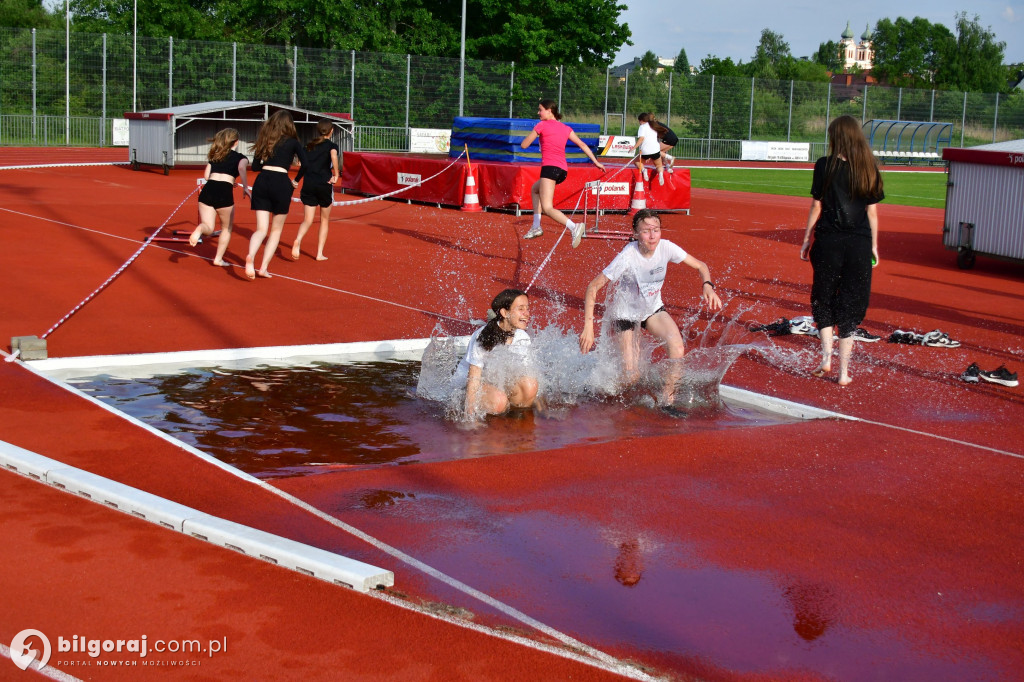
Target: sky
<point x="732" y="28"/>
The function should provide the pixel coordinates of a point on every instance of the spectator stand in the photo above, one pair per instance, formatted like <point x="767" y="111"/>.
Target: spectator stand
<point x="908" y="141"/>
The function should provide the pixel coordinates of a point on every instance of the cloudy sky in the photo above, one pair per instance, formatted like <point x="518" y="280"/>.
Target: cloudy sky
<point x="732" y="28"/>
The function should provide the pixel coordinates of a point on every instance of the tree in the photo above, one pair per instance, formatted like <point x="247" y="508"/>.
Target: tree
<point x="649" y="61"/>
<point x="28" y="14"/>
<point x="771" y="51"/>
<point x="973" y="60"/>
<point x="713" y="66"/>
<point x="909" y="53"/>
<point x="828" y="55"/>
<point x="682" y="64"/>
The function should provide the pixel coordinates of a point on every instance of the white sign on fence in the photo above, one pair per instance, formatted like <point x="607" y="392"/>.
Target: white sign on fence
<point x="615" y="145"/>
<point x="774" y="151"/>
<point x="120" y="132"/>
<point x="429" y="140"/>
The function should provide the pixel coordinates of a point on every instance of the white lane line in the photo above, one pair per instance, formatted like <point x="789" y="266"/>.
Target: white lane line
<point x="45" y="671"/>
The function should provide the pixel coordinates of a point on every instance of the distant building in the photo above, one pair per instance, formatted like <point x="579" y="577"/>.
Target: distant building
<point x="859" y="55"/>
<point x="620" y="70"/>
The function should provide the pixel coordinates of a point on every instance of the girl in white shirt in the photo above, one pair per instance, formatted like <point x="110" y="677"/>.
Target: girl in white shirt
<point x="650" y="147"/>
<point x="511" y="310"/>
<point x="639" y="271"/>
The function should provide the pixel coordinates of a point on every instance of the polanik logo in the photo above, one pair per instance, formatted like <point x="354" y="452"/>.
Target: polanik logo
<point x="21" y="652"/>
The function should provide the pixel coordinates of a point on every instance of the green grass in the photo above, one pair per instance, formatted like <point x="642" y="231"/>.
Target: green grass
<point x="908" y="189"/>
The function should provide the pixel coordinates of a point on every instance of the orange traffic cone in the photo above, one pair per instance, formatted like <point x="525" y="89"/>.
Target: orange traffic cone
<point x="639" y="198"/>
<point x="470" y="202"/>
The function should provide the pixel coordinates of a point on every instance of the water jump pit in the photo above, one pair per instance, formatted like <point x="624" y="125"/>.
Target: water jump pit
<point x="306" y="414"/>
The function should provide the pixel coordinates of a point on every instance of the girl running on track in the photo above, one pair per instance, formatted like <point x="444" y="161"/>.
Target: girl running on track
<point x="511" y="310"/>
<point x="217" y="198"/>
<point x="277" y="144"/>
<point x="667" y="140"/>
<point x="650" y="148"/>
<point x="639" y="274"/>
<point x="841" y="239"/>
<point x="318" y="175"/>
<point x="554" y="170"/>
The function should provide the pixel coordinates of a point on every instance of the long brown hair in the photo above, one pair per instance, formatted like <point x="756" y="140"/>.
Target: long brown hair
<point x="222" y="142"/>
<point x="552" y="106"/>
<point x="279" y="126"/>
<point x="324" y="129"/>
<point x="846" y="139"/>
<point x="652" y="121"/>
<point x="492" y="334"/>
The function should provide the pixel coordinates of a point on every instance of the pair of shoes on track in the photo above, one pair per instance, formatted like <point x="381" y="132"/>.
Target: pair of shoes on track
<point x="973" y="374"/>
<point x="803" y="326"/>
<point x="934" y="339"/>
<point x="780" y="327"/>
<point x="862" y="334"/>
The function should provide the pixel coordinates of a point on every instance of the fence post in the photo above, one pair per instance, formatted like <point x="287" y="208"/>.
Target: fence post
<point x="963" y="120"/>
<point x="234" y="71"/>
<point x="352" y="89"/>
<point x="899" y="104"/>
<point x="750" y="124"/>
<point x="607" y="75"/>
<point x="711" y="113"/>
<point x="408" y="83"/>
<point x="931" y="114"/>
<point x="511" y="88"/>
<point x="864" y="108"/>
<point x="103" y="113"/>
<point x="67" y="79"/>
<point x="33" y="85"/>
<point x="625" y="103"/>
<point x="995" y="119"/>
<point x="828" y="111"/>
<point x="295" y="75"/>
<point x="561" y="70"/>
<point x="789" y="123"/>
<point x="170" y="71"/>
<point x="668" y="116"/>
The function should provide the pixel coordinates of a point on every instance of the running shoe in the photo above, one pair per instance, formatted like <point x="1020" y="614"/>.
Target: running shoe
<point x="1001" y="375"/>
<point x="862" y="334"/>
<point x="578" y="230"/>
<point x="661" y="178"/>
<point x="647" y="178"/>
<point x="972" y="374"/>
<point x="939" y="339"/>
<point x="535" y="231"/>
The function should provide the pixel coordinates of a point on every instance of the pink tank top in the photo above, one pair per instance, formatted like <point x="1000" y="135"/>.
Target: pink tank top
<point x="553" y="136"/>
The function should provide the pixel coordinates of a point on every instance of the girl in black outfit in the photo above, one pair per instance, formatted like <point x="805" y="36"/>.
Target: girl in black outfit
<point x="318" y="175"/>
<point x="217" y="198"/>
<point x="277" y="143"/>
<point x="843" y="247"/>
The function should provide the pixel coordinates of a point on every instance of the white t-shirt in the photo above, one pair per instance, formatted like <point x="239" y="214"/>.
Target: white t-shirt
<point x="639" y="279"/>
<point x="477" y="356"/>
<point x="650" y="144"/>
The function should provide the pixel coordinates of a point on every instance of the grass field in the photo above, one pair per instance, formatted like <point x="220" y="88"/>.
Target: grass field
<point x="926" y="189"/>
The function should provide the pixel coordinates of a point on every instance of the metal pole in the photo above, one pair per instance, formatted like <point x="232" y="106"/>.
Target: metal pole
<point x="899" y="104"/>
<point x="864" y="108"/>
<point x="789" y="123"/>
<point x="103" y="115"/>
<point x="67" y="72"/>
<point x="135" y="55"/>
<point x="170" y="71"/>
<point x="295" y="74"/>
<point x="607" y="75"/>
<point x="561" y="70"/>
<point x="931" y="114"/>
<point x="511" y="89"/>
<point x="234" y="71"/>
<point x="828" y="111"/>
<point x="750" y="124"/>
<point x="462" y="58"/>
<point x="995" y="119"/>
<point x="668" y="115"/>
<point x="625" y="103"/>
<point x="408" y="81"/>
<point x="33" y="85"/>
<point x="963" y="120"/>
<point x="352" y="89"/>
<point x="711" y="112"/>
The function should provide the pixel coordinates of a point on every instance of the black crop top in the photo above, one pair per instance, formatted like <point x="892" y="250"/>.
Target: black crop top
<point x="285" y="150"/>
<point x="229" y="164"/>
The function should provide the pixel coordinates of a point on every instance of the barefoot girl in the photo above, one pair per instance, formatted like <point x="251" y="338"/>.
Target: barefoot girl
<point x="318" y="175"/>
<point x="217" y="198"/>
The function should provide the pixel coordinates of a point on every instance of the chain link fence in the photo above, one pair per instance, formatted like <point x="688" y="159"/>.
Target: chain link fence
<point x="389" y="93"/>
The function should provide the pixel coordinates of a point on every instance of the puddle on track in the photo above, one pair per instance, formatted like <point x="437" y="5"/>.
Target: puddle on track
<point x="300" y="420"/>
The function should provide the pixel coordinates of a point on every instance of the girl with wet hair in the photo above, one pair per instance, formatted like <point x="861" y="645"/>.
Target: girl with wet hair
<point x="639" y="273"/>
<point x="277" y="145"/>
<point x="217" y="198"/>
<point x="507" y="327"/>
<point x="318" y="176"/>
<point x="554" y="169"/>
<point x="841" y="240"/>
<point x="650" y="148"/>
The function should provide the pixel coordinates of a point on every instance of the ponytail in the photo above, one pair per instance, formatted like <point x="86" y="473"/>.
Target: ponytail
<point x="492" y="334"/>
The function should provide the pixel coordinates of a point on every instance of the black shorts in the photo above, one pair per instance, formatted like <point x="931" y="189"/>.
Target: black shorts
<point x="670" y="138"/>
<point x="648" y="157"/>
<point x="218" y="194"/>
<point x="554" y="173"/>
<point x="319" y="193"/>
<point x="629" y="325"/>
<point x="272" y="192"/>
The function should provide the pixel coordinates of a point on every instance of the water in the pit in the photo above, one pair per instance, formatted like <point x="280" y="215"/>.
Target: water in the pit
<point x="320" y="417"/>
